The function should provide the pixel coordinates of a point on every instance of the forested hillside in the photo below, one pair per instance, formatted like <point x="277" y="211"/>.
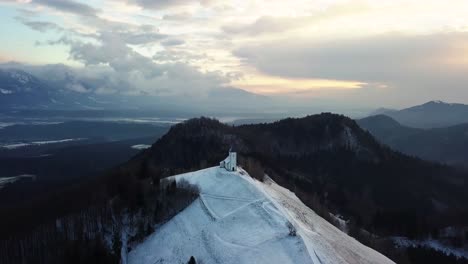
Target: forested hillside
<point x="327" y="160"/>
<point x="447" y="145"/>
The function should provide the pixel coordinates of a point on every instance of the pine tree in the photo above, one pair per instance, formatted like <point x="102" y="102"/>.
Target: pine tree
<point x="192" y="260"/>
<point x="116" y="243"/>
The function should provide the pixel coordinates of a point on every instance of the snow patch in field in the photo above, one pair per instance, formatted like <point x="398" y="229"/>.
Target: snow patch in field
<point x="4" y="91"/>
<point x="20" y="77"/>
<point x="238" y="219"/>
<point x="433" y="244"/>
<point x="141" y="146"/>
<point x="6" y="180"/>
<point x="8" y="124"/>
<point x="140" y="120"/>
<point x="39" y="143"/>
<point x="5" y="124"/>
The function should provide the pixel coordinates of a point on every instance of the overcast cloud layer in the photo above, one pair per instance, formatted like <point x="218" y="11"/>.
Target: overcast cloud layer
<point x="362" y="53"/>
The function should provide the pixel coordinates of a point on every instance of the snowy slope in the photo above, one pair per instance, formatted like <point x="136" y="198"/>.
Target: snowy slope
<point x="237" y="219"/>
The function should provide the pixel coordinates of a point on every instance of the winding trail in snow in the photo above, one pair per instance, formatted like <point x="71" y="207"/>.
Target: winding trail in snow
<point x="207" y="209"/>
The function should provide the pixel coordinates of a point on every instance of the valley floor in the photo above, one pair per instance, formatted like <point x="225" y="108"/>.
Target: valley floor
<point x="237" y="219"/>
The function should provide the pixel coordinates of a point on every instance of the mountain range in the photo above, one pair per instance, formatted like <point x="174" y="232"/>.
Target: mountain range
<point x="59" y="89"/>
<point x="432" y="114"/>
<point x="22" y="90"/>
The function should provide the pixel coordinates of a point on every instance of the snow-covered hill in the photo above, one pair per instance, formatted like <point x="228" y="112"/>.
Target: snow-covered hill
<point x="237" y="219"/>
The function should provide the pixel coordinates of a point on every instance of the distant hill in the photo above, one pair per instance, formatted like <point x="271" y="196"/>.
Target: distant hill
<point x="448" y="145"/>
<point x="386" y="129"/>
<point x="431" y="115"/>
<point x="382" y="110"/>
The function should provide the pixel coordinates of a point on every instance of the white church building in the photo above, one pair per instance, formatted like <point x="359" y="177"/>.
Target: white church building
<point x="230" y="163"/>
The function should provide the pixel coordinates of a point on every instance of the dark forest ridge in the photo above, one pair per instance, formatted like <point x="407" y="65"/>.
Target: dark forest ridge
<point x="446" y="144"/>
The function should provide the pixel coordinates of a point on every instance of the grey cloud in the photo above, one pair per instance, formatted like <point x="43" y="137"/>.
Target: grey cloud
<point x="128" y="33"/>
<point x="164" y="4"/>
<point x="157" y="4"/>
<point x="417" y="66"/>
<point x="269" y="24"/>
<point x="112" y="65"/>
<point x="178" y="56"/>
<point x="380" y="58"/>
<point x="91" y="79"/>
<point x="264" y="25"/>
<point x="172" y="42"/>
<point x="76" y="87"/>
<point x="116" y="54"/>
<point x="148" y="28"/>
<point x="183" y="88"/>
<point x="141" y="38"/>
<point x="177" y="16"/>
<point x="41" y="26"/>
<point x="141" y="73"/>
<point x="176" y="79"/>
<point x="69" y="6"/>
<point x="26" y="12"/>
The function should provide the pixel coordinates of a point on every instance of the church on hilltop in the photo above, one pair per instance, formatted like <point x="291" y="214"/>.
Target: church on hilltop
<point x="229" y="163"/>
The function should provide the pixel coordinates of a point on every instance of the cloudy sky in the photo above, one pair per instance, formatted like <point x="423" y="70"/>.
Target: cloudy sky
<point x="391" y="53"/>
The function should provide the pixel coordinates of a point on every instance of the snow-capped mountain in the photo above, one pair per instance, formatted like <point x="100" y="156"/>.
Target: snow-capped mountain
<point x="22" y="90"/>
<point x="237" y="219"/>
<point x="61" y="88"/>
<point x="19" y="89"/>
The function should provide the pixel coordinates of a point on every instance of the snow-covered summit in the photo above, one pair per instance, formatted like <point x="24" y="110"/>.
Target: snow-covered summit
<point x="20" y="76"/>
<point x="238" y="219"/>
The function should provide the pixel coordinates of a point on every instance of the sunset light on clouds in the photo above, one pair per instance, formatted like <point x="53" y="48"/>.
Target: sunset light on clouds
<point x="264" y="47"/>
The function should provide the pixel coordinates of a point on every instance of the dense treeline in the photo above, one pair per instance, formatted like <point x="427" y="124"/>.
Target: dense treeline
<point x="375" y="195"/>
<point x="446" y="144"/>
<point x="93" y="222"/>
<point x="430" y="256"/>
<point x="75" y="237"/>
